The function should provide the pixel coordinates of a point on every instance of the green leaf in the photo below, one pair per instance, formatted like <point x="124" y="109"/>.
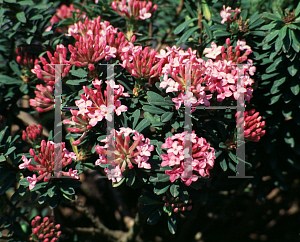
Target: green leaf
<point x="159" y="177"/>
<point x="273" y="66"/>
<point x="77" y="82"/>
<point x="296" y="41"/>
<point x="254" y="17"/>
<point x="256" y="24"/>
<point x="286" y="42"/>
<point x="297" y="10"/>
<point x="79" y="73"/>
<point x="174" y="189"/>
<point x="293" y="68"/>
<point x="166" y="116"/>
<point x="154" y="217"/>
<point x="28" y="2"/>
<point x="10" y="150"/>
<point x="9" y="80"/>
<point x="161" y="188"/>
<point x="218" y="34"/>
<point x="21" y="17"/>
<point x="278" y="44"/>
<point x="172" y="223"/>
<point x="50" y="191"/>
<point x="142" y="125"/>
<point x="36" y="17"/>
<point x="271" y="36"/>
<point x="182" y="26"/>
<point x="136" y="115"/>
<point x="274" y="99"/>
<point x="67" y="189"/>
<point x="295" y="86"/>
<point x="28" y="41"/>
<point x="207" y="29"/>
<point x="147" y="115"/>
<point x="10" y="1"/>
<point x="153" y="109"/>
<point x="2" y="158"/>
<point x="282" y="32"/>
<point x="15" y="67"/>
<point x="223" y="165"/>
<point x="187" y="35"/>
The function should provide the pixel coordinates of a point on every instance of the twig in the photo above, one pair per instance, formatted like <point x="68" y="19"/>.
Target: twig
<point x="167" y="34"/>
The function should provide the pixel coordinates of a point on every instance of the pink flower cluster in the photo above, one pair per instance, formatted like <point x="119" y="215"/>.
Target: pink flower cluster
<point x="44" y="230"/>
<point x="176" y="205"/>
<point x="92" y="42"/>
<point x="134" y="9"/>
<point x="47" y="165"/>
<point x="44" y="98"/>
<point x="253" y="126"/>
<point x="48" y="72"/>
<point x="226" y="14"/>
<point x="142" y="63"/>
<point x="94" y="107"/>
<point x="128" y="150"/>
<point x="219" y="74"/>
<point x="64" y="12"/>
<point x="33" y="133"/>
<point x="25" y="58"/>
<point x="183" y="165"/>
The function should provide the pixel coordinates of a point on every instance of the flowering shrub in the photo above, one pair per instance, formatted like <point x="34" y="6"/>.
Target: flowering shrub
<point x="163" y="125"/>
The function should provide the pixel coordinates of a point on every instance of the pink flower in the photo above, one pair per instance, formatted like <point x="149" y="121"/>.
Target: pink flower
<point x="134" y="9"/>
<point x="142" y="63"/>
<point x="46" y="165"/>
<point x="183" y="165"/>
<point x="48" y="72"/>
<point x="44" y="100"/>
<point x="94" y="106"/>
<point x="32" y="181"/>
<point x="128" y="150"/>
<point x="26" y="162"/>
<point x="213" y="52"/>
<point x="44" y="229"/>
<point x="64" y="12"/>
<point x="253" y="126"/>
<point x="33" y="133"/>
<point x="27" y="59"/>
<point x="226" y="14"/>
<point x="92" y="43"/>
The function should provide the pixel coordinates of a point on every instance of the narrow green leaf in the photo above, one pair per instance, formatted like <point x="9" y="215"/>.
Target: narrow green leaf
<point x="166" y="116"/>
<point x="172" y="223"/>
<point x="223" y="165"/>
<point x="142" y="125"/>
<point x="136" y="115"/>
<point x="282" y="32"/>
<point x="278" y="44"/>
<point x="182" y="26"/>
<point x="15" y="67"/>
<point x="207" y="29"/>
<point x="153" y="109"/>
<point x="297" y="10"/>
<point x="36" y="17"/>
<point x="9" y="80"/>
<point x="187" y="34"/>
